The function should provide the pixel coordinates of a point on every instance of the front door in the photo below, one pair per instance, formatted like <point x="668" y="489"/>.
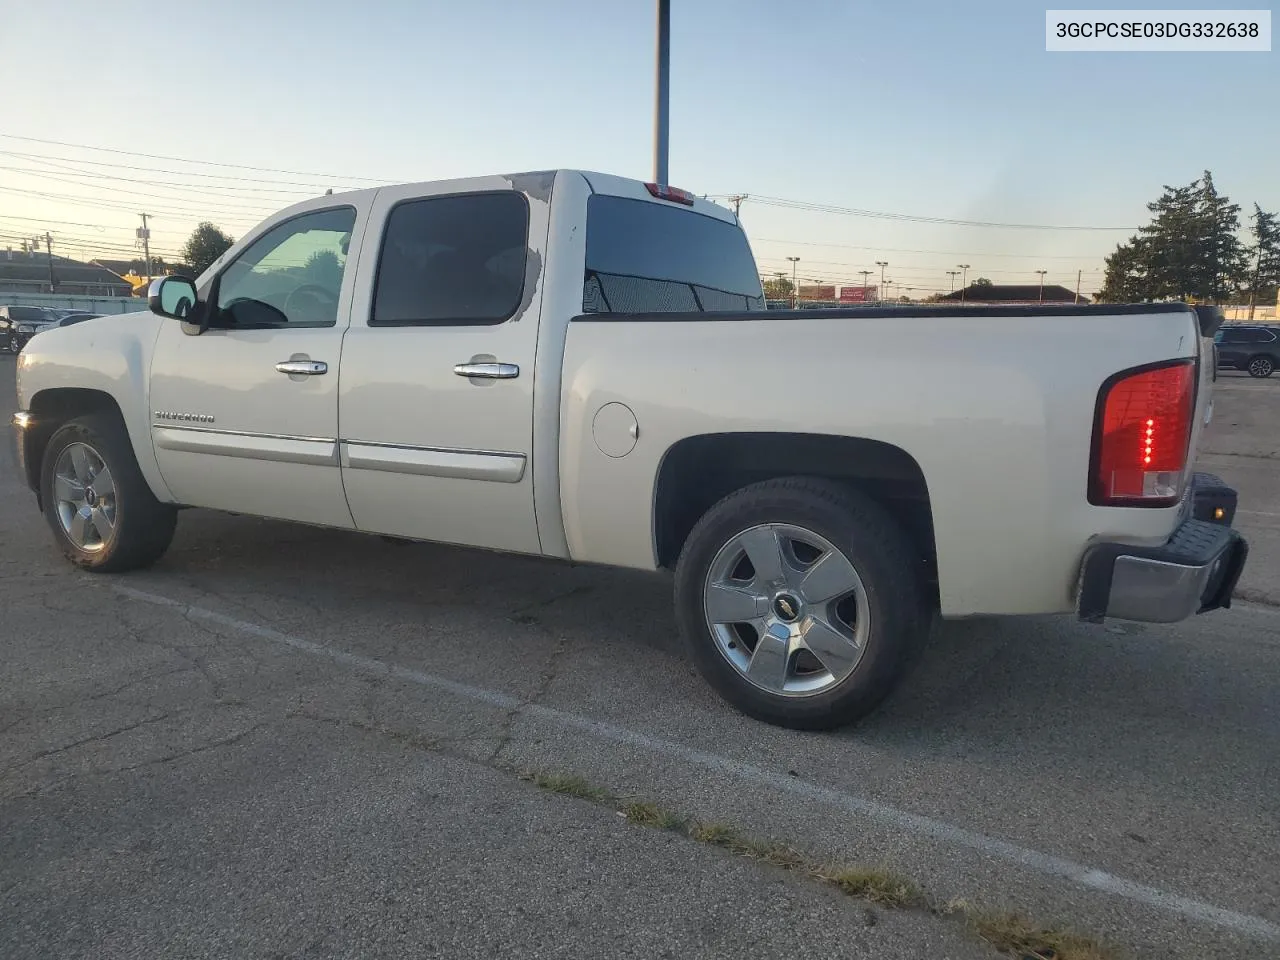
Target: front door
<point x="245" y="416"/>
<point x="436" y="408"/>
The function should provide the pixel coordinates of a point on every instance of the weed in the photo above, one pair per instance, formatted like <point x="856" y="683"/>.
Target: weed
<point x="572" y="786"/>
<point x="873" y="883"/>
<point x="1013" y="934"/>
<point x="651" y="815"/>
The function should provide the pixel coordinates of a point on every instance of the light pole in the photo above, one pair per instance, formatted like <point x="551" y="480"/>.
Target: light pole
<point x="663" y="93"/>
<point x="881" y="264"/>
<point x="953" y="274"/>
<point x="865" y="274"/>
<point x="964" y="279"/>
<point x="795" y="291"/>
<point x="1042" y="273"/>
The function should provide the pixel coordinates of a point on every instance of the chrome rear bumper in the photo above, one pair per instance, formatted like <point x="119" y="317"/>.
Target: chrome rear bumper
<point x="1195" y="571"/>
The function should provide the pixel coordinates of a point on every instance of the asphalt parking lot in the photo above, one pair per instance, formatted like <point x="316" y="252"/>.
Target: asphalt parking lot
<point x="289" y="742"/>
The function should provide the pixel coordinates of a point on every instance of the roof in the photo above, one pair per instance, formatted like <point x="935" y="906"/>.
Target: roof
<point x="1005" y="292"/>
<point x="24" y="268"/>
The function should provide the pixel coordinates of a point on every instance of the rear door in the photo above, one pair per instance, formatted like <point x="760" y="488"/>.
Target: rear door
<point x="436" y="396"/>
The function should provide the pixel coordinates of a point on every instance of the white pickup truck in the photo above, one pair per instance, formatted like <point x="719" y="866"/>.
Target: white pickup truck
<point x="580" y="366"/>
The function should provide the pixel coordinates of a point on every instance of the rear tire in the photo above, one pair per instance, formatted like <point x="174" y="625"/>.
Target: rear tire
<point x="103" y="514"/>
<point x="839" y="616"/>
<point x="1260" y="366"/>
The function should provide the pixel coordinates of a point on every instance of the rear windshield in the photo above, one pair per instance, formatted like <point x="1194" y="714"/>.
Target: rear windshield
<point x="645" y="257"/>
<point x="28" y="314"/>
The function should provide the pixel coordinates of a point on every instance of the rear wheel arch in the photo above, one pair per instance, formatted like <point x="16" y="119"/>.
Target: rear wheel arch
<point x="698" y="471"/>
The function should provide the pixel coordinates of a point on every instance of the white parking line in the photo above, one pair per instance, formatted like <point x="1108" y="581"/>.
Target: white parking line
<point x="1044" y="863"/>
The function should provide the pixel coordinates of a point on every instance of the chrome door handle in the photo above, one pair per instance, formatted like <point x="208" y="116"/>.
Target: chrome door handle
<point x="488" y="371"/>
<point x="308" y="368"/>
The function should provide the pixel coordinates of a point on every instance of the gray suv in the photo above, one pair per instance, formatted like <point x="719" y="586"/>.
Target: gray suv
<point x="1254" y="348"/>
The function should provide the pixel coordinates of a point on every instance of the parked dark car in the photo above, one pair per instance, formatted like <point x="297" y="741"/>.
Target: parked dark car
<point x="19" y="324"/>
<point x="1254" y="348"/>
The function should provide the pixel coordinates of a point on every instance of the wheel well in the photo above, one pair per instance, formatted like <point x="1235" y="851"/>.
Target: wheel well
<point x="50" y="409"/>
<point x="699" y="471"/>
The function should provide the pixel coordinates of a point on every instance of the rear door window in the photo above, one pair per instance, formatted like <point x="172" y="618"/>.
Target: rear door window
<point x="456" y="260"/>
<point x="645" y="257"/>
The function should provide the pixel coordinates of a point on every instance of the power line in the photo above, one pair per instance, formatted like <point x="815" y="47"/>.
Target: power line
<point x="903" y="269"/>
<point x="65" y="223"/>
<point x="78" y="200"/>
<point x="208" y="163"/>
<point x="941" y="253"/>
<point x="883" y="215"/>
<point x="181" y="173"/>
<point x="212" y="189"/>
<point x="234" y="205"/>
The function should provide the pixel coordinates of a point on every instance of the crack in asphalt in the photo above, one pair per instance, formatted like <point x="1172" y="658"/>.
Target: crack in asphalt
<point x="98" y="738"/>
<point x="550" y="671"/>
<point x="91" y="698"/>
<point x="190" y="752"/>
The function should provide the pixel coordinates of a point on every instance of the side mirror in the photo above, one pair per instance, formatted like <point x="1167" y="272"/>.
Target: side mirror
<point x="173" y="297"/>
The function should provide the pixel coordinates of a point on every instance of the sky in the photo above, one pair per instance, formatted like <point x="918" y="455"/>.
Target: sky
<point x="929" y="109"/>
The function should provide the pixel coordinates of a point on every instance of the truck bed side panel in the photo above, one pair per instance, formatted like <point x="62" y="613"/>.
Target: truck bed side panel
<point x="996" y="409"/>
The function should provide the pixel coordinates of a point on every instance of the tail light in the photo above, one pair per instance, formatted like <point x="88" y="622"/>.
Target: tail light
<point x="1142" y="436"/>
<point x="662" y="192"/>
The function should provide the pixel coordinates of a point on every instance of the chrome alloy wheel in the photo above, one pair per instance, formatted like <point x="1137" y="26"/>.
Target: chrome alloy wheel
<point x="787" y="609"/>
<point x="85" y="497"/>
<point x="1261" y="367"/>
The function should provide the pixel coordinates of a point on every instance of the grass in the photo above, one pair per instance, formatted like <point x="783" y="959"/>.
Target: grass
<point x="876" y="884"/>
<point x="651" y="815"/>
<point x="1006" y="932"/>
<point x="571" y="786"/>
<point x="1014" y="934"/>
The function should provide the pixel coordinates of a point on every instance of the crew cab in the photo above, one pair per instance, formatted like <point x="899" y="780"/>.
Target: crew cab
<point x="579" y="366"/>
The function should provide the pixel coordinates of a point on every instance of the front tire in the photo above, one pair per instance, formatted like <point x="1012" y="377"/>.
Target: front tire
<point x="103" y="515"/>
<point x="1261" y="366"/>
<point x="800" y="601"/>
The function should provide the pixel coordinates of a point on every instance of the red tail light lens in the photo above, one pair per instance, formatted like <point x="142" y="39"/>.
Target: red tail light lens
<point x="674" y="194"/>
<point x="1142" y="435"/>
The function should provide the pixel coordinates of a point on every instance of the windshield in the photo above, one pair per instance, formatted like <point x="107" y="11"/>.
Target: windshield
<point x="648" y="257"/>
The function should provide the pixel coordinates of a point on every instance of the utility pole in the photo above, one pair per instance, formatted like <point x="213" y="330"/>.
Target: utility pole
<point x="144" y="234"/>
<point x="795" y="291"/>
<point x="737" y="202"/>
<point x="1079" y="274"/>
<point x="1042" y="273"/>
<point x="662" y="104"/>
<point x="48" y="245"/>
<point x="953" y="274"/>
<point x="964" y="281"/>
<point x="881" y="264"/>
<point x="865" y="274"/>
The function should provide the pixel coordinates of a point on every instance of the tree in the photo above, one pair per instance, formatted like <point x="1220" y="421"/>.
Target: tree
<point x="982" y="282"/>
<point x="323" y="267"/>
<point x="1264" y="275"/>
<point x="1189" y="250"/>
<point x="778" y="288"/>
<point x="206" y="244"/>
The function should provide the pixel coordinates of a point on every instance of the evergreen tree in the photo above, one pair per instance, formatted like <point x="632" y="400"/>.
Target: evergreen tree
<point x="1189" y="250"/>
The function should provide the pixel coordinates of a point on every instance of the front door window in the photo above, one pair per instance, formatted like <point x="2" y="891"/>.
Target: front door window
<point x="291" y="276"/>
